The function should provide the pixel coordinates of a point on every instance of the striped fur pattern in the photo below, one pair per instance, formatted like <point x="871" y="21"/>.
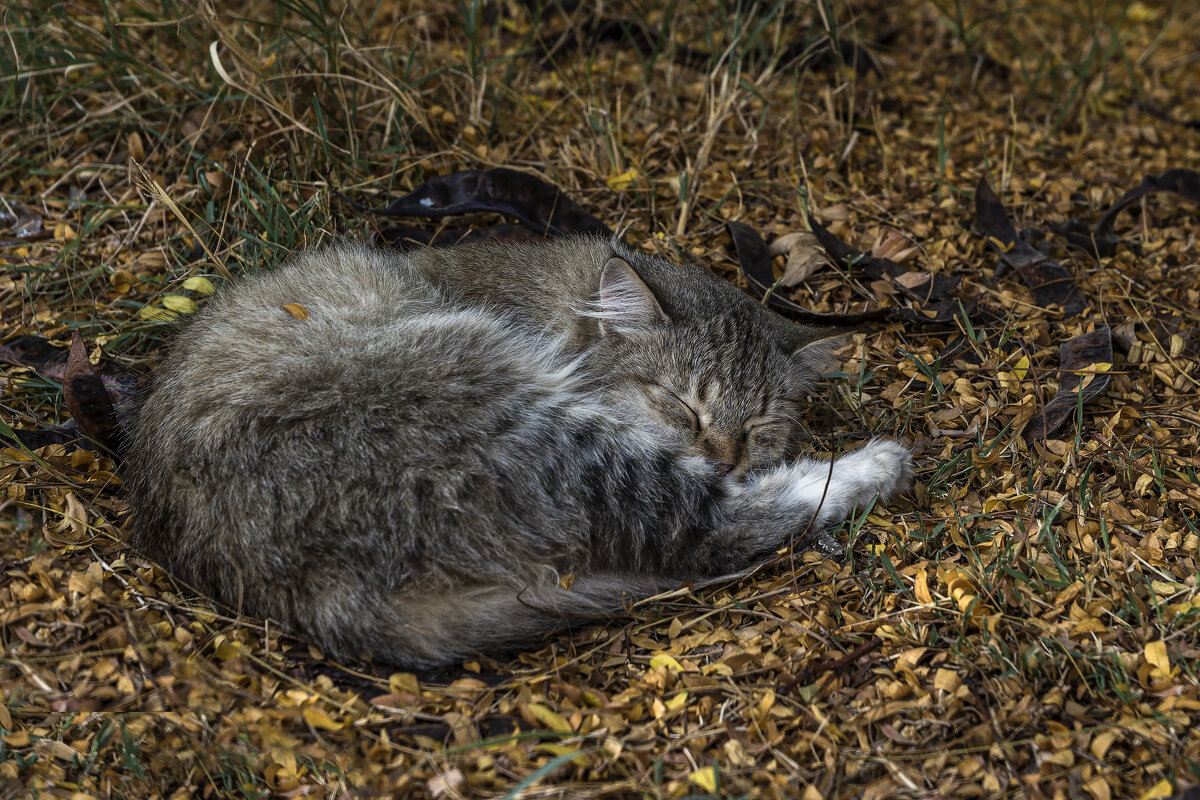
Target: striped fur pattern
<point x="448" y="457"/>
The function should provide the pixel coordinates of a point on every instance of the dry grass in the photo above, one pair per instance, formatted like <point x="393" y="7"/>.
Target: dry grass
<point x="1036" y="607"/>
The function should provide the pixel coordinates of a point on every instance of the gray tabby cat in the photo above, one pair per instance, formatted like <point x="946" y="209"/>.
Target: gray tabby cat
<point x="454" y="451"/>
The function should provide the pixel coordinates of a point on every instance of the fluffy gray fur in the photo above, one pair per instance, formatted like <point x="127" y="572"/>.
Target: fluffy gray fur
<point x="414" y="470"/>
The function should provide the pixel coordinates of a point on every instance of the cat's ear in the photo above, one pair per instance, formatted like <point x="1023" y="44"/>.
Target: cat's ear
<point x="812" y="349"/>
<point x="627" y="306"/>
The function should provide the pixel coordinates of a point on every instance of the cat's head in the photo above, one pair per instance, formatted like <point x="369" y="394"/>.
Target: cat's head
<point x="706" y="361"/>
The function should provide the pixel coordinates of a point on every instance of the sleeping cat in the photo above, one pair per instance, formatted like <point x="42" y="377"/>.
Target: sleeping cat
<point x="433" y="454"/>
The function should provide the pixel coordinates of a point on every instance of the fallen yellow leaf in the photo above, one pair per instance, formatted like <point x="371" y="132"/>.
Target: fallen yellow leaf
<point x="947" y="680"/>
<point x="705" y="778"/>
<point x="551" y="719"/>
<point x="404" y="682"/>
<point x="921" y="587"/>
<point x="155" y="314"/>
<point x="622" y="180"/>
<point x="677" y="702"/>
<point x="1101" y="743"/>
<point x="1098" y="788"/>
<point x="297" y="310"/>
<point x="1158" y="791"/>
<point x="199" y="284"/>
<point x="1156" y="654"/>
<point x="319" y="719"/>
<point x="564" y="750"/>
<point x="1140" y="12"/>
<point x="16" y="739"/>
<point x="179" y="304"/>
<point x="665" y="660"/>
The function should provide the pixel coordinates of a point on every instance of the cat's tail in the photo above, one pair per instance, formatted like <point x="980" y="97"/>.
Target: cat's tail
<point x="442" y="627"/>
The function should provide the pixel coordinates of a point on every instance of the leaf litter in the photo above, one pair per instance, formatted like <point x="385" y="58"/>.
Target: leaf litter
<point x="1035" y="602"/>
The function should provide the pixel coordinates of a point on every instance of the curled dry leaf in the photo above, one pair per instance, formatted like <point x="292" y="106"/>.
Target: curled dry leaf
<point x="52" y="361"/>
<point x="923" y="287"/>
<point x="754" y="258"/>
<point x="27" y="350"/>
<point x="934" y="294"/>
<point x="67" y="434"/>
<point x="540" y="206"/>
<point x="804" y="256"/>
<point x="87" y="399"/>
<point x="895" y="246"/>
<point x="1102" y="241"/>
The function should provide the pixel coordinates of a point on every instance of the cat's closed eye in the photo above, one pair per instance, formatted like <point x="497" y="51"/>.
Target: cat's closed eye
<point x="688" y="411"/>
<point x="760" y="425"/>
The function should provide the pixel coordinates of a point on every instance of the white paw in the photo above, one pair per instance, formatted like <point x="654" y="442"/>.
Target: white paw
<point x="881" y="467"/>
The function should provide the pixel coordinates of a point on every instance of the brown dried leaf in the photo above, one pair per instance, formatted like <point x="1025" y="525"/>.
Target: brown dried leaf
<point x="804" y="256"/>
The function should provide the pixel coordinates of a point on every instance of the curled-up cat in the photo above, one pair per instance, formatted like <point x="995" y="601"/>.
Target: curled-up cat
<point x="412" y="457"/>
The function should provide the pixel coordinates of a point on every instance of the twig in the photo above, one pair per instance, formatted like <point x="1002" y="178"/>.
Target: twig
<point x="811" y="672"/>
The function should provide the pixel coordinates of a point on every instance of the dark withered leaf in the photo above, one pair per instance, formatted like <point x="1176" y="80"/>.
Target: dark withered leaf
<point x="31" y="351"/>
<point x="88" y="400"/>
<point x="1102" y="241"/>
<point x="1075" y="356"/>
<point x="922" y="287"/>
<point x="991" y="218"/>
<point x="67" y="434"/>
<point x="1049" y="281"/>
<point x="406" y="237"/>
<point x="540" y="206"/>
<point x="754" y="258"/>
<point x="50" y="361"/>
<point x="832" y="244"/>
<point x="935" y="294"/>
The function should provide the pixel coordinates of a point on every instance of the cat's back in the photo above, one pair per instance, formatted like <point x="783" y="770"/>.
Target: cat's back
<point x="345" y="333"/>
<point x="344" y="287"/>
<point x="312" y="399"/>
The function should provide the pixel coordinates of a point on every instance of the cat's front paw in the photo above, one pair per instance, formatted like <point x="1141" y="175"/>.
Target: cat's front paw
<point x="882" y="468"/>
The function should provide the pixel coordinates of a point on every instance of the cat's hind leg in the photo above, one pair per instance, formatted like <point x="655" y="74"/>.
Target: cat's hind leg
<point x="448" y="625"/>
